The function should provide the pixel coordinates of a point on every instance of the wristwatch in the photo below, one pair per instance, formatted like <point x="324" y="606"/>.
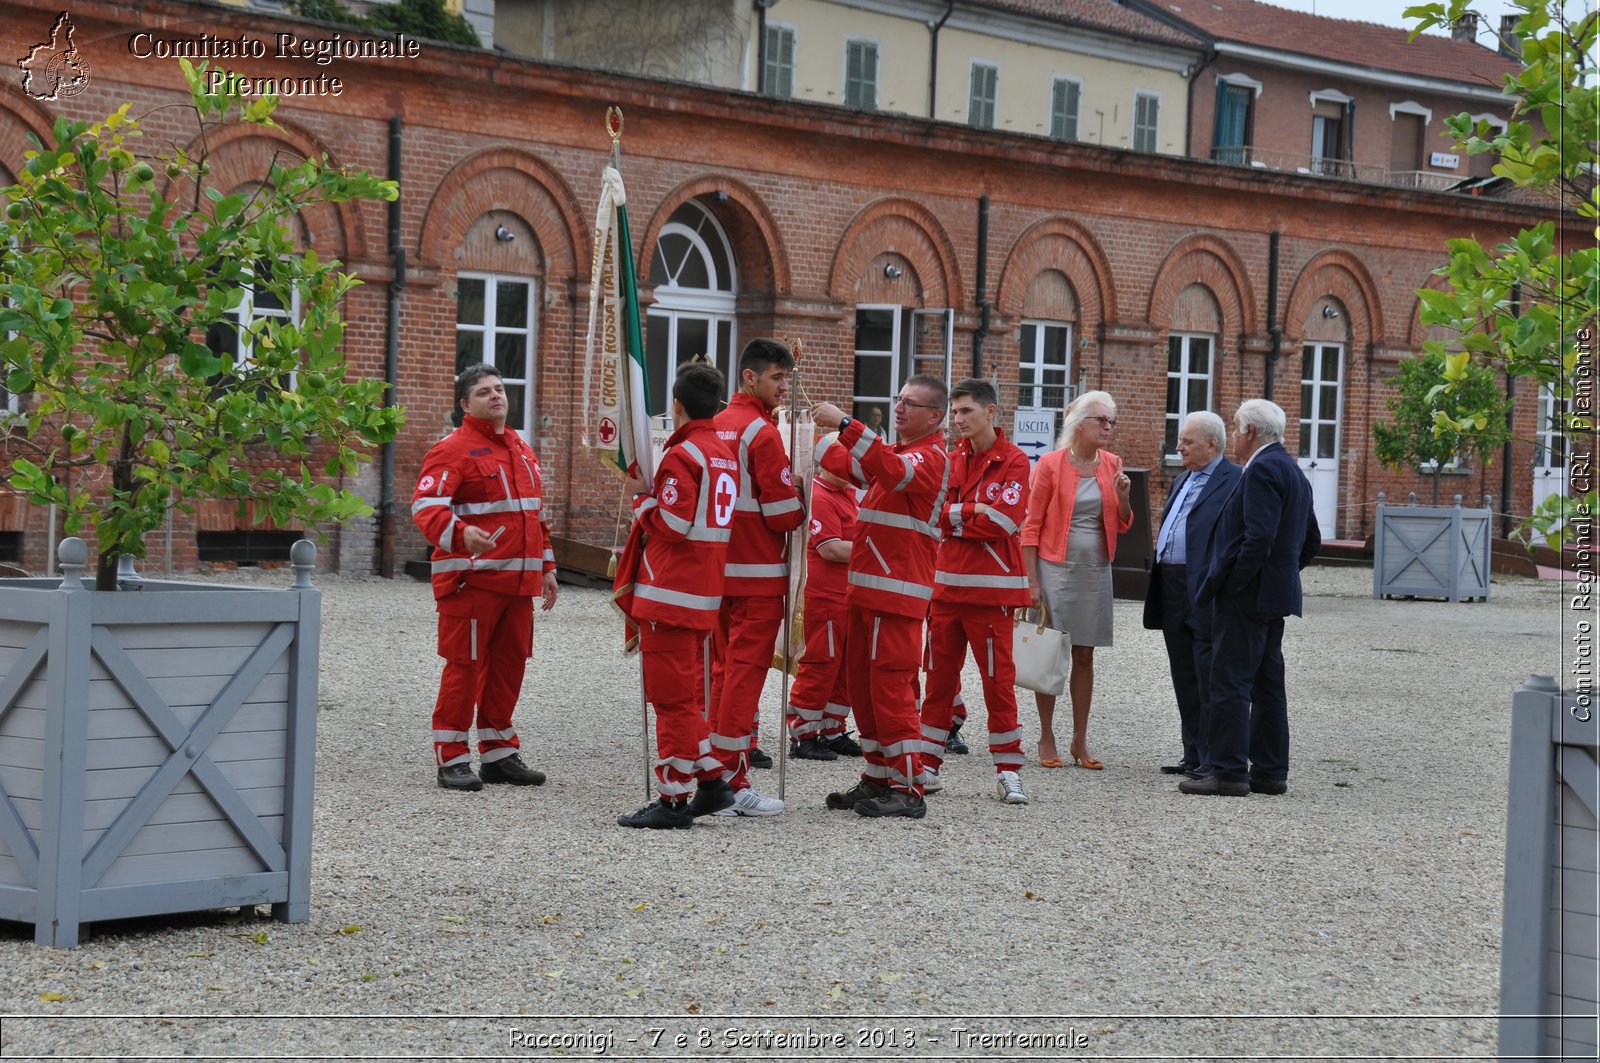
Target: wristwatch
<point x="844" y="422"/>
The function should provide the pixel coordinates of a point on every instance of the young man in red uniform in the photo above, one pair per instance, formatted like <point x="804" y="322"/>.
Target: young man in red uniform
<point x="890" y="587"/>
<point x="669" y="586"/>
<point x="758" y="566"/>
<point x="979" y="580"/>
<point x="819" y="701"/>
<point x="479" y="501"/>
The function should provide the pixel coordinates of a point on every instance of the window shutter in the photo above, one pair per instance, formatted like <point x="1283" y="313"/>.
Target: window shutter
<point x="981" y="97"/>
<point x="1064" y="110"/>
<point x="779" y="79"/>
<point x="869" y="76"/>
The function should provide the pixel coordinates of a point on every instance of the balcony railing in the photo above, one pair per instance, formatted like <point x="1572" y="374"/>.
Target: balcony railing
<point x="1340" y="169"/>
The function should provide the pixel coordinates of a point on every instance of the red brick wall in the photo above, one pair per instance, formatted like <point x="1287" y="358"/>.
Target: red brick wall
<point x="816" y="201"/>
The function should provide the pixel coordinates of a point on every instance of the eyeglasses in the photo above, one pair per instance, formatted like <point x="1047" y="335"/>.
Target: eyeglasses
<point x="902" y="401"/>
<point x="1105" y="422"/>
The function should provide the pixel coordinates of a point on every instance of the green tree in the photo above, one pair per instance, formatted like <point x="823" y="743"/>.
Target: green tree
<point x="1418" y="436"/>
<point x="417" y="18"/>
<point x="119" y="266"/>
<point x="1528" y="306"/>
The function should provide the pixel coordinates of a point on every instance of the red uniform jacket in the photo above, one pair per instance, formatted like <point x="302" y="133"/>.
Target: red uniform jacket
<point x="488" y="480"/>
<point x="897" y="539"/>
<point x="769" y="506"/>
<point x="980" y="559"/>
<point x="671" y="569"/>
<point x="833" y="516"/>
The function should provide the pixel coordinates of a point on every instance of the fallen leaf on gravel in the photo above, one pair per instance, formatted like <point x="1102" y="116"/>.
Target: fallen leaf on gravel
<point x="452" y="919"/>
<point x="640" y="907"/>
<point x="353" y="928"/>
<point x="631" y="992"/>
<point x="369" y="977"/>
<point x="196" y="955"/>
<point x="692" y="1009"/>
<point x="551" y="974"/>
<point x="217" y="988"/>
<point x="52" y="997"/>
<point x="837" y="991"/>
<point x="552" y="917"/>
<point x="890" y="976"/>
<point x="260" y="938"/>
<point x="98" y="965"/>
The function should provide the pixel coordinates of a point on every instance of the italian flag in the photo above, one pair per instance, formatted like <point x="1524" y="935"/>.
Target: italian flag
<point x="616" y="406"/>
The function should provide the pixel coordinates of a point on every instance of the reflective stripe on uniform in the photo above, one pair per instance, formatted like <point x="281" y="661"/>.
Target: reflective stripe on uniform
<point x="898" y="520"/>
<point x="997" y="560"/>
<point x="1003" y="521"/>
<point x="425" y="503"/>
<point x="489" y="733"/>
<point x="786" y="505"/>
<point x="755" y="571"/>
<point x="449" y="736"/>
<point x="893" y="586"/>
<point x="651" y="593"/>
<point x="863" y="444"/>
<point x="488" y="564"/>
<point x="1000" y="738"/>
<point x="505" y="505"/>
<point x="911" y="473"/>
<point x="676" y="523"/>
<point x="962" y="579"/>
<point x="955" y="520"/>
<point x="733" y="745"/>
<point x="709" y="535"/>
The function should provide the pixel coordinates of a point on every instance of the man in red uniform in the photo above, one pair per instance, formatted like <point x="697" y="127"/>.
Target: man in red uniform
<point x="479" y="501"/>
<point x="669" y="586"/>
<point x="758" y="570"/>
<point x="980" y="579"/>
<point x="819" y="701"/>
<point x="890" y="587"/>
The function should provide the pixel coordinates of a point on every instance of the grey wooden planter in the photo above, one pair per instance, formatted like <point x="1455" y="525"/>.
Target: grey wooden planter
<point x="1431" y="551"/>
<point x="156" y="747"/>
<point x="1551" y="926"/>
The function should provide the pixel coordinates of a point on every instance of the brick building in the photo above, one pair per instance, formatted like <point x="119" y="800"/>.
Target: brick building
<point x="858" y="233"/>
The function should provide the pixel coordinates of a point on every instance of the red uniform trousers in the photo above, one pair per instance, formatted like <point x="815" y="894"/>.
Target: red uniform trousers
<point x="747" y="633"/>
<point x="819" y="700"/>
<point x="485" y="639"/>
<point x="881" y="654"/>
<point x="674" y="684"/>
<point x="987" y="629"/>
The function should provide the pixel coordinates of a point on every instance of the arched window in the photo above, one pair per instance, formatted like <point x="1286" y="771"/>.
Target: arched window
<point x="696" y="285"/>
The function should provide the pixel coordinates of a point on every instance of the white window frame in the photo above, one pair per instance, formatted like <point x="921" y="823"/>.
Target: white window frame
<point x="1031" y="396"/>
<point x="246" y="314"/>
<point x="1155" y="130"/>
<point x="1077" y="112"/>
<point x="1412" y="107"/>
<point x="490" y="331"/>
<point x="1243" y="81"/>
<point x="716" y="305"/>
<point x="1184" y="377"/>
<point x="877" y="62"/>
<point x="794" y="51"/>
<point x="973" y="101"/>
<point x="897" y="357"/>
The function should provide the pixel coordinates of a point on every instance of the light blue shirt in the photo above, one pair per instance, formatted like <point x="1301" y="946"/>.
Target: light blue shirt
<point x="1171" y="548"/>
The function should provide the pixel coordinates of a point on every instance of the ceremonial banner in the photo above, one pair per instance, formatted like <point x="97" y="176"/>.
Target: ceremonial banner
<point x="616" y="413"/>
<point x="800" y="441"/>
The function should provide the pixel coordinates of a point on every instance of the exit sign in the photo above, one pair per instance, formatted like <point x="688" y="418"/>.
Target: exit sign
<point x="1441" y="159"/>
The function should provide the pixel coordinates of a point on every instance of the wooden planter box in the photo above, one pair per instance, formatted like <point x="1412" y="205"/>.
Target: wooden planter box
<point x="156" y="747"/>
<point x="1431" y="551"/>
<point x="1549" y="935"/>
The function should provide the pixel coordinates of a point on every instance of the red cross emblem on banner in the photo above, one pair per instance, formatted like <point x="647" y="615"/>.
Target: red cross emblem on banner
<point x="608" y="431"/>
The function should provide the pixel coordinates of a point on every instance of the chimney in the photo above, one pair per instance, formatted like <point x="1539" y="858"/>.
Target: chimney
<point x="1465" y="28"/>
<point x="1510" y="45"/>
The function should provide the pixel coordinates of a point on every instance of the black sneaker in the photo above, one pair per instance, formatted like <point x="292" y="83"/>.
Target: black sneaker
<point x="459" y="777"/>
<point x="894" y="803"/>
<point x="861" y="791"/>
<point x="512" y="770"/>
<point x="759" y="759"/>
<point x="842" y="744"/>
<point x="811" y="749"/>
<point x="658" y="816"/>
<point x="711" y="797"/>
<point x="954" y="744"/>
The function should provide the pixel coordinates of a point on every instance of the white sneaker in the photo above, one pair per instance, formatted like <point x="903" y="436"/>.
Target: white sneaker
<point x="931" y="783"/>
<point x="752" y="802"/>
<point x="1008" y="788"/>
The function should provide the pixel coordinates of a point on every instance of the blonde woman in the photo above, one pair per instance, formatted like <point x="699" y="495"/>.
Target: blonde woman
<point x="1077" y="507"/>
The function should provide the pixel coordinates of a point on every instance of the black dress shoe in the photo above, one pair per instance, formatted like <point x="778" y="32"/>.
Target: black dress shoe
<point x="512" y="770"/>
<point x="758" y="759"/>
<point x="1212" y="786"/>
<point x="954" y="743"/>
<point x="811" y="749"/>
<point x="1183" y="767"/>
<point x="1260" y="784"/>
<point x="459" y="777"/>
<point x="711" y="797"/>
<point x="1198" y="773"/>
<point x="658" y="816"/>
<point x="843" y="745"/>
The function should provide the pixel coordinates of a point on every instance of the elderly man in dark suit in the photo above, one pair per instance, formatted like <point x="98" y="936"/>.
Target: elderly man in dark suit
<point x="1195" y="502"/>
<point x="1266" y="534"/>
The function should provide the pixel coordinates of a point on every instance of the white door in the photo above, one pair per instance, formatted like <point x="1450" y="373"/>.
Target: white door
<point x="1550" y="452"/>
<point x="1321" y="407"/>
<point x="1044" y="363"/>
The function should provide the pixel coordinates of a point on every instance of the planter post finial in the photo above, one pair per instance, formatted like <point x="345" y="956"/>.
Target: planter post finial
<point x="73" y="554"/>
<point x="303" y="556"/>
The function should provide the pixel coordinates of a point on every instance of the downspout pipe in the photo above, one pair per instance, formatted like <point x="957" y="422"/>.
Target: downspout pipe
<point x="391" y="355"/>
<point x="984" y="308"/>
<point x="1506" y="520"/>
<point x="1275" y="332"/>
<point x="761" y="45"/>
<point x="933" y="57"/>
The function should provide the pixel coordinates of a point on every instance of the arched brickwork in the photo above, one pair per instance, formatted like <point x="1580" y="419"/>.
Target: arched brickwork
<point x="240" y="155"/>
<point x="905" y="228"/>
<point x="506" y="179"/>
<point x="757" y="245"/>
<point x="1341" y="276"/>
<point x="19" y="116"/>
<point x="1417" y="332"/>
<point x="1061" y="245"/>
<point x="1210" y="261"/>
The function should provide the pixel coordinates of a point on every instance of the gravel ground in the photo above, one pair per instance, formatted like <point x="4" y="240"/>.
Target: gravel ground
<point x="1357" y="916"/>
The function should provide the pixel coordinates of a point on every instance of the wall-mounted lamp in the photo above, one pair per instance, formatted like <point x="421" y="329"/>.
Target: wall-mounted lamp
<point x="1330" y="312"/>
<point x="892" y="271"/>
<point x="504" y="235"/>
<point x="720" y="196"/>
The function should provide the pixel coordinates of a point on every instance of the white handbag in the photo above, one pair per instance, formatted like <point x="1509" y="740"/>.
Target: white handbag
<point x="1041" y="654"/>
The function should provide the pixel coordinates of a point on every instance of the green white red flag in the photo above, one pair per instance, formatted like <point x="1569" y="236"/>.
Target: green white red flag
<point x="616" y="416"/>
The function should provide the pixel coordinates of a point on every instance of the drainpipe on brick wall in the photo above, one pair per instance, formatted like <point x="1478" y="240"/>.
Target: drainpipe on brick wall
<point x="1505" y="455"/>
<point x="761" y="45"/>
<point x="933" y="55"/>
<point x="1211" y="57"/>
<point x="1272" y="316"/>
<point x="391" y="358"/>
<point x="983" y="285"/>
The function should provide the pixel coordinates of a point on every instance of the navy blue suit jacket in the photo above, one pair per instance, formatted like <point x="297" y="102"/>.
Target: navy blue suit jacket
<point x="1198" y="526"/>
<point x="1264" y="536"/>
